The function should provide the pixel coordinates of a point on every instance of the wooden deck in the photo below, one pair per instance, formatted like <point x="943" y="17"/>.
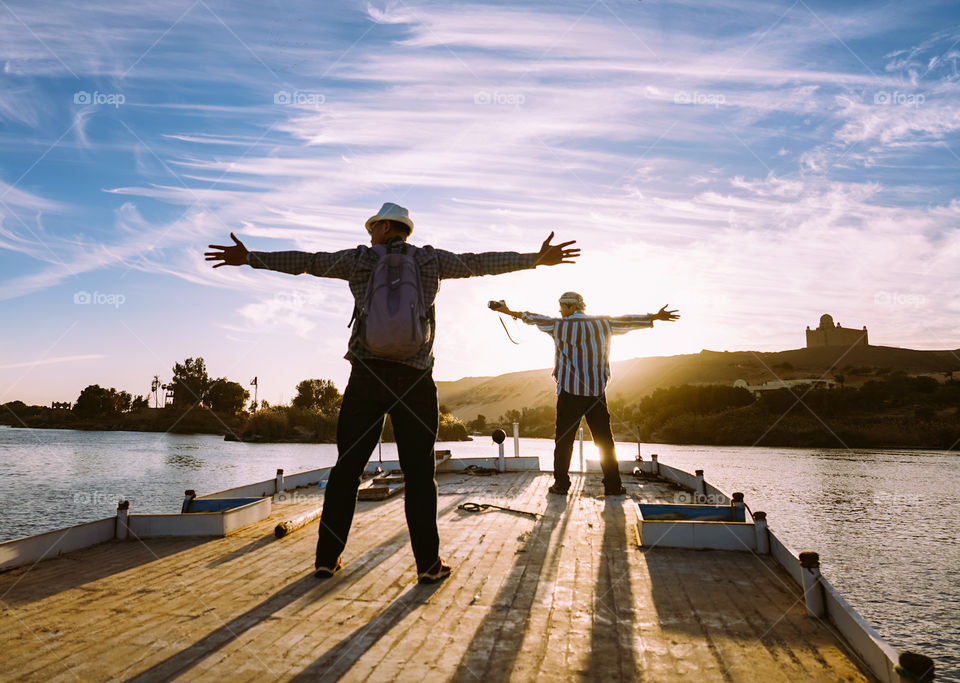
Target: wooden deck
<point x="567" y="596"/>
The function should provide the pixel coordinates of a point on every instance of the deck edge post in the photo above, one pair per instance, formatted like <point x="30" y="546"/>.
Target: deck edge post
<point x="279" y="480"/>
<point x="516" y="439"/>
<point x="122" y="530"/>
<point x="501" y="465"/>
<point x="656" y="464"/>
<point x="737" y="506"/>
<point x="701" y="492"/>
<point x="639" y="451"/>
<point x="761" y="532"/>
<point x="188" y="497"/>
<point x="812" y="589"/>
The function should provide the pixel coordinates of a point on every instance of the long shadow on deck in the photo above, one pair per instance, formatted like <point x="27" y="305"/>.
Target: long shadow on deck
<point x="24" y="585"/>
<point x="336" y="661"/>
<point x="611" y="639"/>
<point x="496" y="644"/>
<point x="256" y="544"/>
<point x="184" y="660"/>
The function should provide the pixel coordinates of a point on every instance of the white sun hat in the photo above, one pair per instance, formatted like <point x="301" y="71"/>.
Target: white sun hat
<point x="573" y="298"/>
<point x="391" y="212"/>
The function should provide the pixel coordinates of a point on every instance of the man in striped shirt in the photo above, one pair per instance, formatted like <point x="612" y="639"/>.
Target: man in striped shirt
<point x="582" y="370"/>
<point x="404" y="389"/>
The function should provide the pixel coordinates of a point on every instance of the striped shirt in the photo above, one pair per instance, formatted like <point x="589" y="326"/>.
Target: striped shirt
<point x="355" y="266"/>
<point x="582" y="361"/>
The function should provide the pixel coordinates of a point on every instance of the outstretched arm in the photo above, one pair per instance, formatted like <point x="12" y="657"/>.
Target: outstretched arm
<point x="625" y="323"/>
<point x="337" y="264"/>
<point x="453" y="265"/>
<point x="501" y="307"/>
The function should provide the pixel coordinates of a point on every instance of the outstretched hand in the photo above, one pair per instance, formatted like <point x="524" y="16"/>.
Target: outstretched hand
<point x="552" y="254"/>
<point x="664" y="314"/>
<point x="232" y="255"/>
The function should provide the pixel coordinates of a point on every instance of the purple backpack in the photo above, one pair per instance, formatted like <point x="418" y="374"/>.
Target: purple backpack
<point x="394" y="322"/>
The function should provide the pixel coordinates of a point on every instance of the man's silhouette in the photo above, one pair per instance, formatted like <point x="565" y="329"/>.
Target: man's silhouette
<point x="402" y="388"/>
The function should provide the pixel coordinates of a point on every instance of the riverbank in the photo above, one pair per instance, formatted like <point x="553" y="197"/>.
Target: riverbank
<point x="276" y="424"/>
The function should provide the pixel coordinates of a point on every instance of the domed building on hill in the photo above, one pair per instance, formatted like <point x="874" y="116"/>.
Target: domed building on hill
<point x="830" y="334"/>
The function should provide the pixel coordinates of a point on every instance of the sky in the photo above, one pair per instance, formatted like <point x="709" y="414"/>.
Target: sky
<point x="754" y="164"/>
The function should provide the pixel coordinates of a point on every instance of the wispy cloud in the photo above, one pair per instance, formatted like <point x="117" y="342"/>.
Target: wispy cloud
<point x="51" y="361"/>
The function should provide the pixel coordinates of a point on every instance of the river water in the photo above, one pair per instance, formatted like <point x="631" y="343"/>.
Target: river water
<point x="886" y="523"/>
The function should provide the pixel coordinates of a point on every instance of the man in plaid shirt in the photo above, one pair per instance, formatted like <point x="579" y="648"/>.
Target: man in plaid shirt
<point x="403" y="388"/>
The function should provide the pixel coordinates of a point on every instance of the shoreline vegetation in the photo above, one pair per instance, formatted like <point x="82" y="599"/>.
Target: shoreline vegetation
<point x="898" y="411"/>
<point x="885" y="410"/>
<point x="195" y="403"/>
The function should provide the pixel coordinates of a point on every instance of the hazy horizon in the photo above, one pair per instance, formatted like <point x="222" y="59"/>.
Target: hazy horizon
<point x="752" y="164"/>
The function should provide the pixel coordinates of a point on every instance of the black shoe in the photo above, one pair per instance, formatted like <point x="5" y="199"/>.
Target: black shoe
<point x="437" y="573"/>
<point x="559" y="490"/>
<point x="619" y="491"/>
<point x="327" y="572"/>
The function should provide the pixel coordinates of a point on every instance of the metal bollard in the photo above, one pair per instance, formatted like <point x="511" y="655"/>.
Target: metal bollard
<point x="123" y="508"/>
<point x="762" y="534"/>
<point x="701" y="492"/>
<point x="737" y="508"/>
<point x="188" y="497"/>
<point x="639" y="452"/>
<point x="279" y="481"/>
<point x="499" y="436"/>
<point x="656" y="463"/>
<point x="516" y="439"/>
<point x="812" y="590"/>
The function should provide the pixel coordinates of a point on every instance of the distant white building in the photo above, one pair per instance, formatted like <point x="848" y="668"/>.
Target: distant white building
<point x="773" y="385"/>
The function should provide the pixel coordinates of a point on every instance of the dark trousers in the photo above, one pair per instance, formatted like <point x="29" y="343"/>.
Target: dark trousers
<point x="570" y="408"/>
<point x="409" y="396"/>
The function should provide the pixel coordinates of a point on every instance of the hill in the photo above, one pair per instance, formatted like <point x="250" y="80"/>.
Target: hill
<point x="635" y="378"/>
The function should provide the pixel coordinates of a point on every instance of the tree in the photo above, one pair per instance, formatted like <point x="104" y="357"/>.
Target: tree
<point x="319" y="394"/>
<point x="139" y="403"/>
<point x="95" y="401"/>
<point x="225" y="396"/>
<point x="190" y="382"/>
<point x="478" y="424"/>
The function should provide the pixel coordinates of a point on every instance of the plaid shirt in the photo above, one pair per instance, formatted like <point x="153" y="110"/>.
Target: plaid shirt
<point x="582" y="361"/>
<point x="355" y="266"/>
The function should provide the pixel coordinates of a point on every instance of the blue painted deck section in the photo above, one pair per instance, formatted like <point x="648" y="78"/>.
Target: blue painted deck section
<point x="703" y="513"/>
<point x="218" y="504"/>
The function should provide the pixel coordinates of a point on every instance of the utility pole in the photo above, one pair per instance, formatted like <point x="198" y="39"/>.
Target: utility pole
<point x="255" y="386"/>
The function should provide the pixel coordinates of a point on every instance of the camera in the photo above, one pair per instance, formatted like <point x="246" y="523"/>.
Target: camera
<point x="495" y="305"/>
